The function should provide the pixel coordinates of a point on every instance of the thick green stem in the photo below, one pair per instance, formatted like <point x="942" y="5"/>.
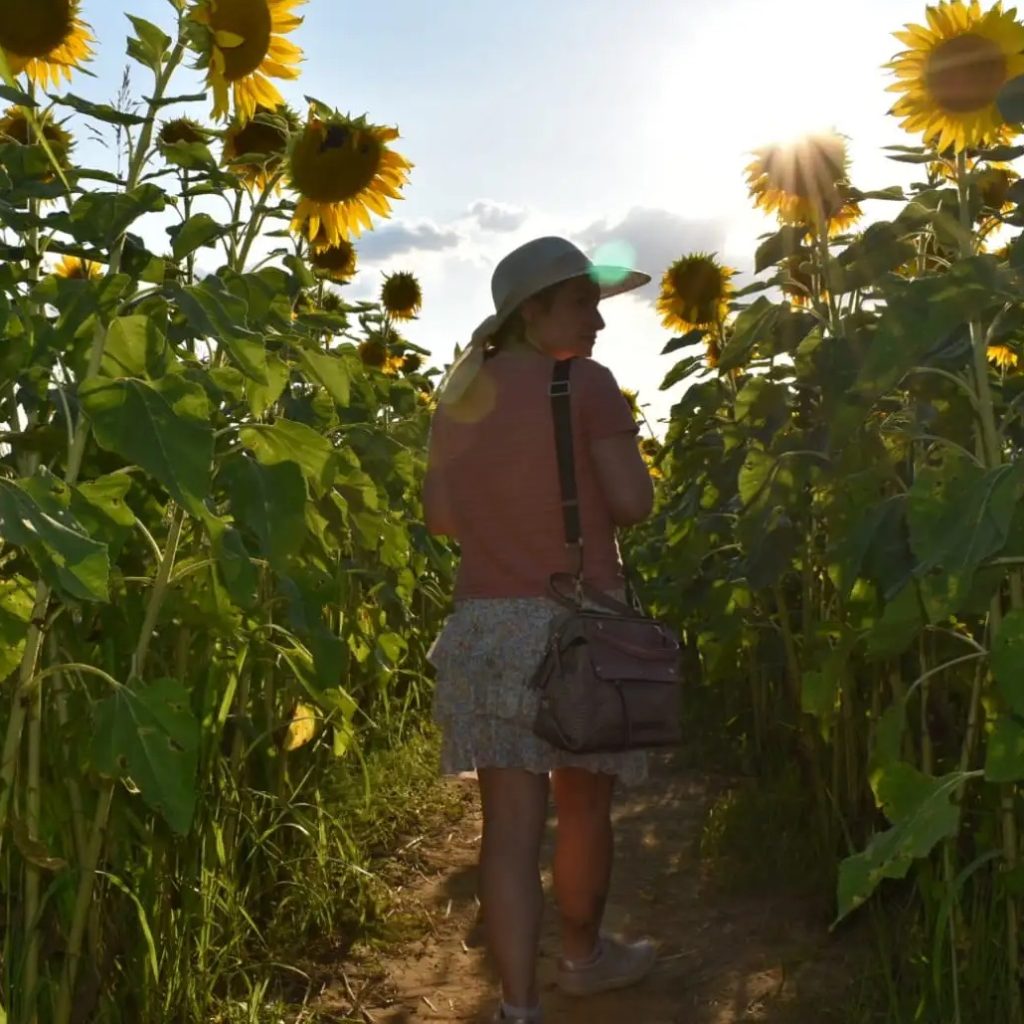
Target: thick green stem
<point x="30" y="979"/>
<point x="83" y="900"/>
<point x="157" y="594"/>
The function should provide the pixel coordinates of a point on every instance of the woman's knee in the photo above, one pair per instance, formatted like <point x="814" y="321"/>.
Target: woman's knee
<point x="514" y="804"/>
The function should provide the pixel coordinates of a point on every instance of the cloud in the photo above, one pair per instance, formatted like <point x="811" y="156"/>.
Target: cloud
<point x="397" y="239"/>
<point x="657" y="238"/>
<point x="493" y="216"/>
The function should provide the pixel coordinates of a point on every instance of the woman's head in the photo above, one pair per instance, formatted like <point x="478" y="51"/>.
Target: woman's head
<point x="561" y="320"/>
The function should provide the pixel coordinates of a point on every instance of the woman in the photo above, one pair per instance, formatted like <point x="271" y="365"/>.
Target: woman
<point x="492" y="484"/>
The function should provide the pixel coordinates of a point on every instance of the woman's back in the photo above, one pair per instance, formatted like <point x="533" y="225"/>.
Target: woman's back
<point x="494" y="459"/>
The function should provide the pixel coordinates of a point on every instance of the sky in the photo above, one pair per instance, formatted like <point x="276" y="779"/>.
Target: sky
<point x="597" y="120"/>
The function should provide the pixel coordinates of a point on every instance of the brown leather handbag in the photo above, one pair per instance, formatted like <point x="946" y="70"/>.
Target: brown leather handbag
<point x="609" y="679"/>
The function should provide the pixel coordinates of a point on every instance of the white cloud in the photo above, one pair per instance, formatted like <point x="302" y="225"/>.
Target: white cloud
<point x="657" y="238"/>
<point x="398" y="239"/>
<point x="495" y="216"/>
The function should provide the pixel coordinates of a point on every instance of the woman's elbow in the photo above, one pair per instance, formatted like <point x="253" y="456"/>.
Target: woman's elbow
<point x="630" y="508"/>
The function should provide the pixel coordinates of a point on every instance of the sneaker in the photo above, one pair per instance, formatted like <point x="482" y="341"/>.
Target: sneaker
<point x="500" y="1018"/>
<point x="618" y="965"/>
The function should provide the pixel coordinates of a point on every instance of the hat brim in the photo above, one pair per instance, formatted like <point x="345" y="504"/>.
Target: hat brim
<point x="617" y="280"/>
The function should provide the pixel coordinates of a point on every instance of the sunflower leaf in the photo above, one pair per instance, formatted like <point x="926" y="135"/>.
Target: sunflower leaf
<point x="689" y="338"/>
<point x="1010" y="100"/>
<point x="149" y="45"/>
<point x="16" y="96"/>
<point x="783" y="243"/>
<point x="100" y="111"/>
<point x="199" y="230"/>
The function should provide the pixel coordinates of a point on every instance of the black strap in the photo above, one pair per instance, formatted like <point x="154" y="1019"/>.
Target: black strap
<point x="561" y="414"/>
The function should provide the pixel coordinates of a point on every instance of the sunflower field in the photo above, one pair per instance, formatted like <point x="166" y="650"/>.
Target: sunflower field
<point x="840" y="523"/>
<point x="215" y="586"/>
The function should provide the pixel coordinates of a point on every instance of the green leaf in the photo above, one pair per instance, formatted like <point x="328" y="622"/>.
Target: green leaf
<point x="902" y="619"/>
<point x="61" y="549"/>
<point x="99" y="505"/>
<point x="132" y="418"/>
<point x="785" y="242"/>
<point x="1010" y="100"/>
<point x="215" y="313"/>
<point x="694" y="337"/>
<point x="151" y="736"/>
<point x="136" y="347"/>
<point x="682" y="370"/>
<point x="150" y="44"/>
<point x="100" y="218"/>
<point x="270" y="501"/>
<point x="926" y="816"/>
<point x="819" y="691"/>
<point x="1008" y="659"/>
<point x="887" y="742"/>
<point x="199" y="230"/>
<point x="1004" y="752"/>
<point x="751" y="325"/>
<point x="15" y="95"/>
<point x="761" y="400"/>
<point x="882" y="247"/>
<point x="16" y="601"/>
<point x="331" y="372"/>
<point x="261" y="396"/>
<point x="960" y="515"/>
<point x="287" y="440"/>
<point x="100" y="111"/>
<point x="237" y="572"/>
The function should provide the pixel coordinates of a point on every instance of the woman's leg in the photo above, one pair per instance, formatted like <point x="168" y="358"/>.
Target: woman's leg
<point x="514" y="805"/>
<point x="583" y="856"/>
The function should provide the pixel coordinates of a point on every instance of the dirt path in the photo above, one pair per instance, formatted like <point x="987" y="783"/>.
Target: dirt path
<point x="724" y="958"/>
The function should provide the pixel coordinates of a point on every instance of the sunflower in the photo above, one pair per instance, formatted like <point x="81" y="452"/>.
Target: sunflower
<point x="181" y="130"/>
<point x="695" y="293"/>
<point x="804" y="182"/>
<point x="632" y="400"/>
<point x="993" y="185"/>
<point x="337" y="262"/>
<point x="412" y="362"/>
<point x="952" y="72"/>
<point x="332" y="302"/>
<point x="374" y="352"/>
<point x="401" y="295"/>
<point x="15" y="127"/>
<point x="244" y="44"/>
<point x="342" y="170"/>
<point x="44" y="38"/>
<point x="74" y="268"/>
<point x="265" y="137"/>
<point x="1003" y="356"/>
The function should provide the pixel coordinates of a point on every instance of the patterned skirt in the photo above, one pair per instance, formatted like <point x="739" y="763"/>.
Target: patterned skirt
<point x="484" y="656"/>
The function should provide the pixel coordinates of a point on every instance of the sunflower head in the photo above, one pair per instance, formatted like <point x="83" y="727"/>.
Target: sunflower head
<point x="412" y="362"/>
<point x="804" y="182"/>
<point x="401" y="295"/>
<point x="993" y="186"/>
<point x="44" y="38"/>
<point x="242" y="45"/>
<point x="695" y="292"/>
<point x="952" y="71"/>
<point x="15" y="127"/>
<point x="255" y="148"/>
<point x="343" y="170"/>
<point x="332" y="302"/>
<point x="1002" y="356"/>
<point x="74" y="268"/>
<point x="337" y="262"/>
<point x="374" y="352"/>
<point x="181" y="130"/>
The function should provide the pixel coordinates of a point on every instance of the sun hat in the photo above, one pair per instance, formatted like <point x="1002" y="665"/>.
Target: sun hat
<point x="524" y="272"/>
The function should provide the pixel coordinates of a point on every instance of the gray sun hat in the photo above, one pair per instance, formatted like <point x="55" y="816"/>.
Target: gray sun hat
<point x="524" y="272"/>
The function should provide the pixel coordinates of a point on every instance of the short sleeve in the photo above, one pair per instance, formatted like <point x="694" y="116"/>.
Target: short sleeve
<point x="605" y="409"/>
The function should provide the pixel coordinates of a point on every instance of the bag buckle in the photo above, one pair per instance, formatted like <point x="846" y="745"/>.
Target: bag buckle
<point x="558" y="388"/>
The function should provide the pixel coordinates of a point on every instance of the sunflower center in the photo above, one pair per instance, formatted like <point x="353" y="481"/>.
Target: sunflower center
<point x="965" y="74"/>
<point x="333" y="163"/>
<point x="249" y="19"/>
<point x="35" y="28"/>
<point x="699" y="285"/>
<point x="338" y="258"/>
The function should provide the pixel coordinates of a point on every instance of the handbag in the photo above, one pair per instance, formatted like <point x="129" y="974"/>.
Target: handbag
<point x="609" y="678"/>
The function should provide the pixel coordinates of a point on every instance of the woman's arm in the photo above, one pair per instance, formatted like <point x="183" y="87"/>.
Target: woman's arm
<point x="624" y="478"/>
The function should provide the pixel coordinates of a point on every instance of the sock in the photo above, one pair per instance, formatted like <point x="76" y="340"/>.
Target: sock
<point x="524" y="1012"/>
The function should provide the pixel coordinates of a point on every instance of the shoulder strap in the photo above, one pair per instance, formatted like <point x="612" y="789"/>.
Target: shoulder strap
<point x="561" y="413"/>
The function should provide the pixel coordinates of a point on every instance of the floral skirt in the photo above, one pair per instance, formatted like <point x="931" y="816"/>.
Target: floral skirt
<point x="484" y="656"/>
